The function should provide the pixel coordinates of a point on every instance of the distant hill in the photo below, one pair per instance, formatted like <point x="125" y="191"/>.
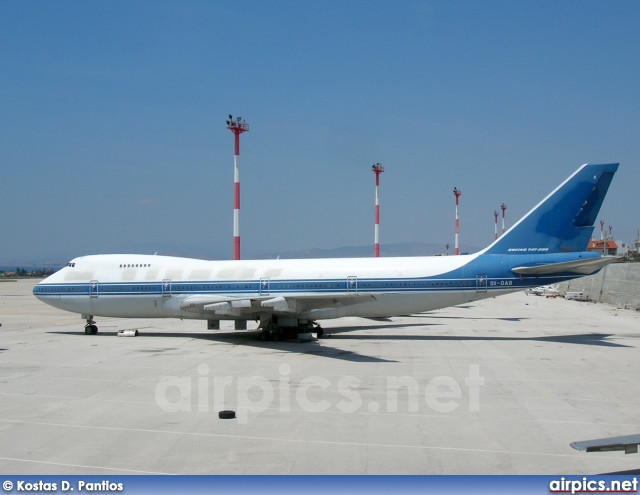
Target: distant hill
<point x="386" y="250"/>
<point x="31" y="267"/>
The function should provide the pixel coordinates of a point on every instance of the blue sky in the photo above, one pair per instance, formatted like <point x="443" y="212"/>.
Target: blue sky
<point x="113" y="134"/>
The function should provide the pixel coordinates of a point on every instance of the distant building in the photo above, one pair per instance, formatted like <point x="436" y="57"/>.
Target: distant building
<point x="598" y="246"/>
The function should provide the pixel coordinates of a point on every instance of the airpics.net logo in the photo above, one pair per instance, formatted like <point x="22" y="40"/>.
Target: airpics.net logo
<point x="346" y="394"/>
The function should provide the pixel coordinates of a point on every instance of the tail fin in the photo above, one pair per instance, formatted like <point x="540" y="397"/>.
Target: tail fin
<point x="562" y="222"/>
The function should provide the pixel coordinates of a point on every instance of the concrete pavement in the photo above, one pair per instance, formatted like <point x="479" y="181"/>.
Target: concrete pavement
<point x="501" y="386"/>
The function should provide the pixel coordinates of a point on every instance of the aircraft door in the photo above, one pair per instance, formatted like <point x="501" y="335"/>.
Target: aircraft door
<point x="93" y="288"/>
<point x="352" y="284"/>
<point x="264" y="286"/>
<point x="166" y="287"/>
<point x="481" y="283"/>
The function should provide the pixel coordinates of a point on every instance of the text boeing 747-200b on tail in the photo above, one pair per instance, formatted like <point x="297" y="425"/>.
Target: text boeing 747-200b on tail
<point x="546" y="246"/>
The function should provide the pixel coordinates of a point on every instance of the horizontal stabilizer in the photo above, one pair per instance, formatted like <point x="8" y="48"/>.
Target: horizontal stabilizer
<point x="628" y="443"/>
<point x="583" y="267"/>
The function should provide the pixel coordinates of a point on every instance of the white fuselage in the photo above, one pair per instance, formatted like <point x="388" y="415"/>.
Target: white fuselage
<point x="142" y="286"/>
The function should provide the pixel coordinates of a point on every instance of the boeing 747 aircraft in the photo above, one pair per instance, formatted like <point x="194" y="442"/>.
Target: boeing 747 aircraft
<point x="546" y="246"/>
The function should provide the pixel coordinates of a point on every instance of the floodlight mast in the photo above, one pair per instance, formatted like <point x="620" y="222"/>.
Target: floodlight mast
<point x="504" y="208"/>
<point x="495" y="223"/>
<point x="237" y="126"/>
<point x="377" y="169"/>
<point x="457" y="193"/>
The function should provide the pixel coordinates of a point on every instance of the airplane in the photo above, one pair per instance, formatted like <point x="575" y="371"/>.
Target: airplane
<point x="288" y="296"/>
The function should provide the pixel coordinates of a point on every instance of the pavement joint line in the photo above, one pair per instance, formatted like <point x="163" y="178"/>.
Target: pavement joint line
<point x="543" y="397"/>
<point x="362" y="413"/>
<point x="544" y="366"/>
<point x="296" y="440"/>
<point x="212" y="372"/>
<point x="13" y="459"/>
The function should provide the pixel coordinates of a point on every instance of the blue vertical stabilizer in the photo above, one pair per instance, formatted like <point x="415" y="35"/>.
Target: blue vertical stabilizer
<point x="562" y="222"/>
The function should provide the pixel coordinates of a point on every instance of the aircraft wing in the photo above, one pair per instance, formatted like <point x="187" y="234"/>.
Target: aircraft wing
<point x="628" y="443"/>
<point x="583" y="267"/>
<point x="293" y="303"/>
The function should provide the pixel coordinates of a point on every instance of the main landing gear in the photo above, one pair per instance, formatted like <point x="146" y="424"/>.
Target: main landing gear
<point x="90" y="328"/>
<point x="272" y="330"/>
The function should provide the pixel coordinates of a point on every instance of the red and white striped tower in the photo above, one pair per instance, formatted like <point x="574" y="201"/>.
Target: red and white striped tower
<point x="237" y="126"/>
<point x="495" y="223"/>
<point x="457" y="192"/>
<point x="504" y="208"/>
<point x="377" y="169"/>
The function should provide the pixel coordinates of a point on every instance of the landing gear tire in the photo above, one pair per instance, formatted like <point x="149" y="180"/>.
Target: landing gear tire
<point x="91" y="329"/>
<point x="263" y="336"/>
<point x="319" y="333"/>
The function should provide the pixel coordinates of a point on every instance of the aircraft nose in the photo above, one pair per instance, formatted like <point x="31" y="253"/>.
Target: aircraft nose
<point x="40" y="290"/>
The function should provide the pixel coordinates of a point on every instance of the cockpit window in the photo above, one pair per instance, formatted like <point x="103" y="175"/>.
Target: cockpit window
<point x="71" y="265"/>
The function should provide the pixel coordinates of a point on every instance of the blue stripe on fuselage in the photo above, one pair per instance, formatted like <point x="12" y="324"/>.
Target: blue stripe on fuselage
<point x="485" y="272"/>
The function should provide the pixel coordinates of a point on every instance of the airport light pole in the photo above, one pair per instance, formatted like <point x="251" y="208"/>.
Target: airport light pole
<point x="457" y="193"/>
<point x="377" y="169"/>
<point x="237" y="126"/>
<point x="503" y="207"/>
<point x="495" y="224"/>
